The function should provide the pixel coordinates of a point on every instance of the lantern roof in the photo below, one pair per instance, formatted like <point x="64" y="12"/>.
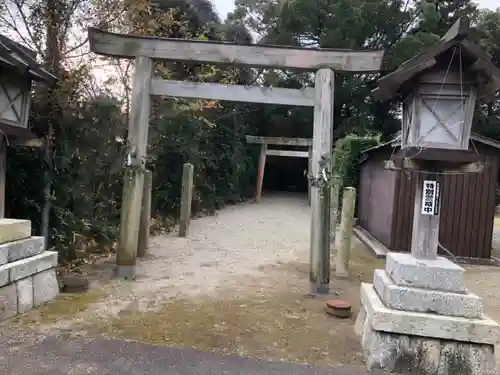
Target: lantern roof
<point x="474" y="62"/>
<point x="14" y="56"/>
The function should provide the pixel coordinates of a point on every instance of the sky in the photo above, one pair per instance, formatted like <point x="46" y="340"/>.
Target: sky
<point x="225" y="6"/>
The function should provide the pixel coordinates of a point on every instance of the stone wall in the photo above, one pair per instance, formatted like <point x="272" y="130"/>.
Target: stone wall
<point x="27" y="272"/>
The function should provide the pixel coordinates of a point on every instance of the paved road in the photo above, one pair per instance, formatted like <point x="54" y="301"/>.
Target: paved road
<point x="57" y="356"/>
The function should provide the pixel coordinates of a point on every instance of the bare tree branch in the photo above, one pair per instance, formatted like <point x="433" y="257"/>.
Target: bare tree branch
<point x="19" y="6"/>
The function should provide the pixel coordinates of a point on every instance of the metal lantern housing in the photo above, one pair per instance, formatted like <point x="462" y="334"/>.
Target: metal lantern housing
<point x="18" y="70"/>
<point x="438" y="111"/>
<point x="439" y="89"/>
<point x="15" y="94"/>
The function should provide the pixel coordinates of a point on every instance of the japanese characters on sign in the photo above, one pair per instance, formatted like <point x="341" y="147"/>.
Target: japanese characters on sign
<point x="430" y="198"/>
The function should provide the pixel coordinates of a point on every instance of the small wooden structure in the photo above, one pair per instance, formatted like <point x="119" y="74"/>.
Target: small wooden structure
<point x="147" y="49"/>
<point x="278" y="141"/>
<point x="18" y="70"/>
<point x="386" y="201"/>
<point x="439" y="89"/>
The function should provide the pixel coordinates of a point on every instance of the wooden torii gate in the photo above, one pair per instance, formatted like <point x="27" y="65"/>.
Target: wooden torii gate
<point x="146" y="49"/>
<point x="264" y="143"/>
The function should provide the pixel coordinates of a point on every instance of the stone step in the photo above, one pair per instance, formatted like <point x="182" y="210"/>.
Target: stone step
<point x="14" y="229"/>
<point x="16" y="250"/>
<point x="384" y="319"/>
<point x="437" y="274"/>
<point x="23" y="268"/>
<point x="424" y="300"/>
<point x="32" y="291"/>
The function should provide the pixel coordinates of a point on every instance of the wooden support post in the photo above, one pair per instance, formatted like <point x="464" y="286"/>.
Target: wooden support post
<point x="3" y="171"/>
<point x="260" y="172"/>
<point x="346" y="225"/>
<point x="186" y="198"/>
<point x="425" y="235"/>
<point x="322" y="146"/>
<point x="323" y="270"/>
<point x="134" y="173"/>
<point x="309" y="172"/>
<point x="334" y="210"/>
<point x="145" y="214"/>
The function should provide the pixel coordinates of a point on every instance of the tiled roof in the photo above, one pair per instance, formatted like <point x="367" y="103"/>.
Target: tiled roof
<point x="16" y="57"/>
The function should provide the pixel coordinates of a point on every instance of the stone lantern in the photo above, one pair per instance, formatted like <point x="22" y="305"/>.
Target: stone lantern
<point x="418" y="316"/>
<point x="18" y="70"/>
<point x="31" y="269"/>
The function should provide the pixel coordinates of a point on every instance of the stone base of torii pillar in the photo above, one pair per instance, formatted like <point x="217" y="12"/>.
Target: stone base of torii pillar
<point x="418" y="318"/>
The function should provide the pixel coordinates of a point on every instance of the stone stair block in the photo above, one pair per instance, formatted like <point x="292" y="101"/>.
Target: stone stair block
<point x="4" y="257"/>
<point x="23" y="268"/>
<point x="24" y="295"/>
<point x="20" y="249"/>
<point x="8" y="301"/>
<point x="437" y="274"/>
<point x="14" y="229"/>
<point x="45" y="287"/>
<point x="383" y="319"/>
<point x="423" y="300"/>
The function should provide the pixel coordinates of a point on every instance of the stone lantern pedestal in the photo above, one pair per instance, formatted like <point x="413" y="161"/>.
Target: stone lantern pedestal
<point x="418" y="318"/>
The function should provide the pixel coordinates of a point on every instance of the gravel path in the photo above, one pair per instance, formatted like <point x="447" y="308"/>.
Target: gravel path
<point x="236" y="244"/>
<point x="236" y="285"/>
<point x="238" y="241"/>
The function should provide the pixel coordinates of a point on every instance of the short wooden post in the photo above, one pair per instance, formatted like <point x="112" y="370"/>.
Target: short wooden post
<point x="324" y="241"/>
<point x="134" y="171"/>
<point x="260" y="172"/>
<point x="145" y="214"/>
<point x="319" y="274"/>
<point x="334" y="204"/>
<point x="346" y="225"/>
<point x="186" y="198"/>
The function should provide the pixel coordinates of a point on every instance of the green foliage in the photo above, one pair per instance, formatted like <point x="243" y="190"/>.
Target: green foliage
<point x="85" y="174"/>
<point x="85" y="167"/>
<point x="347" y="156"/>
<point x="224" y="170"/>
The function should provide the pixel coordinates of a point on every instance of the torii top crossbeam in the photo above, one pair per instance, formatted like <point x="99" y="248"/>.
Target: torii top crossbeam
<point x="265" y="56"/>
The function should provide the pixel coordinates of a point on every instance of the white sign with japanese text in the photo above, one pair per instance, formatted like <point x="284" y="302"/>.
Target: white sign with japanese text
<point x="430" y="198"/>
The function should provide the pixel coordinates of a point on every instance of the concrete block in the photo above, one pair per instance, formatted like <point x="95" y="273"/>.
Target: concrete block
<point x="4" y="256"/>
<point x="4" y="274"/>
<point x="8" y="301"/>
<point x="381" y="318"/>
<point x="438" y="274"/>
<point x="424" y="300"/>
<point x="45" y="287"/>
<point x="21" y="249"/>
<point x="403" y="354"/>
<point x="24" y="294"/>
<point x="26" y="267"/>
<point x="14" y="229"/>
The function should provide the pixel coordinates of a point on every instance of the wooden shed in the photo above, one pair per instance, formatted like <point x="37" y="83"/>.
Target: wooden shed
<point x="386" y="202"/>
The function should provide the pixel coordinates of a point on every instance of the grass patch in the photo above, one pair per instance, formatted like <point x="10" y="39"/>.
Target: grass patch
<point x="62" y="308"/>
<point x="285" y="326"/>
<point x="282" y="324"/>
